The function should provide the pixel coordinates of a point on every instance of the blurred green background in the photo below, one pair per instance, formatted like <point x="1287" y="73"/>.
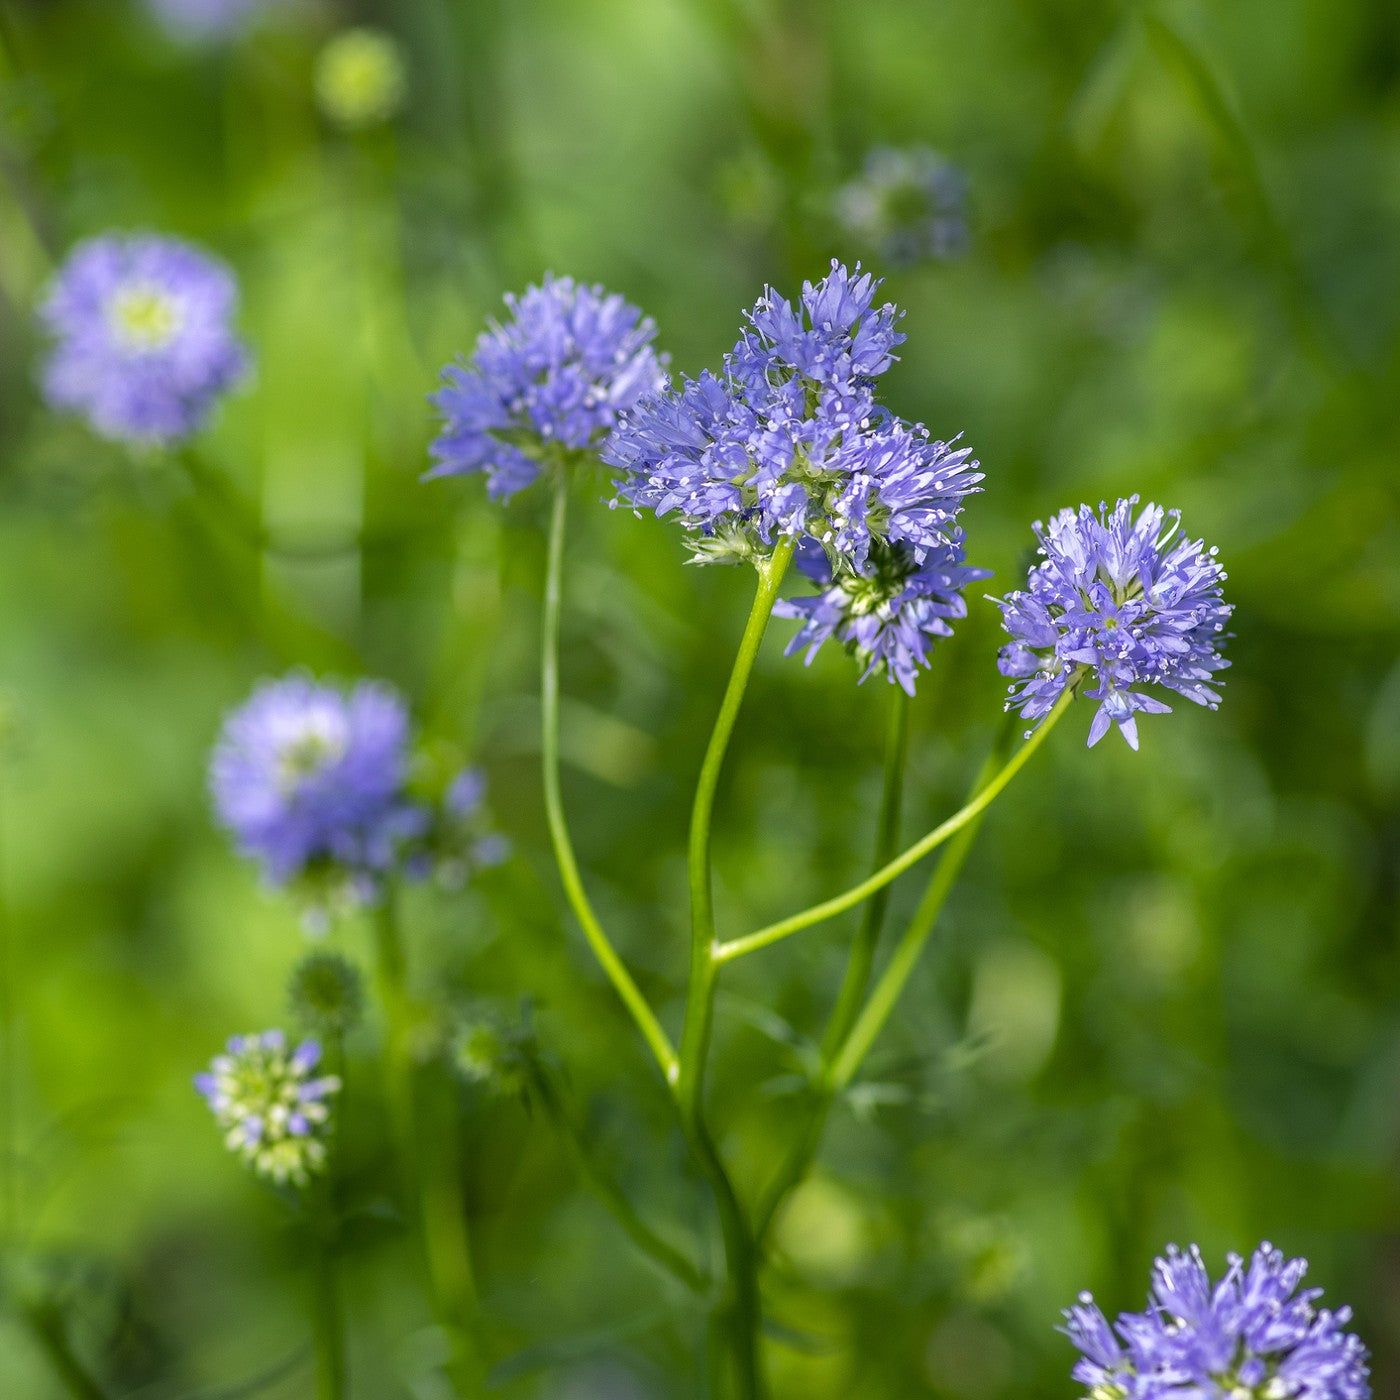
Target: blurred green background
<point x="1163" y="1005"/>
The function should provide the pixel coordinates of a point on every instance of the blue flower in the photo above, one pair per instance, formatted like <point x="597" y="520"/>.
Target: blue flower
<point x="197" y="20"/>
<point x="788" y="440"/>
<point x="1252" y="1336"/>
<point x="311" y="780"/>
<point x="906" y="205"/>
<point x="551" y="380"/>
<point x="1118" y="600"/>
<point x="144" y="346"/>
<point x="889" y="617"/>
<point x="273" y="1113"/>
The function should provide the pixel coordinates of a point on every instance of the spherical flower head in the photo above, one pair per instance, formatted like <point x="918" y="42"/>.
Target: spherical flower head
<point x="197" y="21"/>
<point x="909" y="205"/>
<point x="495" y="1053"/>
<point x="1253" y="1336"/>
<point x="310" y="779"/>
<point x="360" y="79"/>
<point x="788" y="441"/>
<point x="1118" y="601"/>
<point x="144" y="345"/>
<point x="326" y="993"/>
<point x="888" y="617"/>
<point x="273" y="1112"/>
<point x="547" y="383"/>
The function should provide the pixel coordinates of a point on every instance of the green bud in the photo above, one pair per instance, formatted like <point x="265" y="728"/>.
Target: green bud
<point x="326" y="993"/>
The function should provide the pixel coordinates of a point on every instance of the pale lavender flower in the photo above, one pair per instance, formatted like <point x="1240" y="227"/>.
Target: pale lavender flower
<point x="1118" y="601"/>
<point x="889" y="617"/>
<point x="201" y="20"/>
<point x="549" y="381"/>
<point x="144" y="345"/>
<point x="273" y="1112"/>
<point x="906" y="205"/>
<point x="1253" y="1336"/>
<point x="310" y="779"/>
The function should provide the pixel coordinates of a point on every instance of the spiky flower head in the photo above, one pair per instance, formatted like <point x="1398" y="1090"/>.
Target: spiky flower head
<point x="497" y="1053"/>
<point x="273" y="1112"/>
<point x="360" y="78"/>
<point x="310" y="780"/>
<point x="545" y="385"/>
<point x="787" y="440"/>
<point x="143" y="341"/>
<point x="1255" y="1335"/>
<point x="890" y="616"/>
<point x="1116" y="604"/>
<point x="202" y="20"/>
<point x="907" y="205"/>
<point x="326" y="993"/>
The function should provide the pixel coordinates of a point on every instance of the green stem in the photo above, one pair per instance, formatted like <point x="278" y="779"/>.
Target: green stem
<point x="741" y="1257"/>
<point x="593" y="931"/>
<point x="328" y="1326"/>
<point x="773" y="933"/>
<point x="442" y="1213"/>
<point x="858" y="968"/>
<point x="611" y="1197"/>
<point x="842" y="1065"/>
<point x="46" y="1323"/>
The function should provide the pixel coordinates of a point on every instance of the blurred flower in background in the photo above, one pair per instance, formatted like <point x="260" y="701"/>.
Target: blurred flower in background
<point x="326" y="993"/>
<point x="1116" y="598"/>
<point x="552" y="379"/>
<point x="143" y="347"/>
<point x="360" y="79"/>
<point x="274" y="1114"/>
<point x="906" y="205"/>
<point x="199" y="20"/>
<point x="1252" y="1336"/>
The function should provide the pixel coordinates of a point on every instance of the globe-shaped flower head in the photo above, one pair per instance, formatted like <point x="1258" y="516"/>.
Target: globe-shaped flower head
<point x="360" y="79"/>
<point x="143" y="341"/>
<point x="1253" y="1336"/>
<point x="547" y="383"/>
<point x="1117" y="602"/>
<point x="788" y="441"/>
<point x="273" y="1112"/>
<point x="311" y="780"/>
<point x="907" y="205"/>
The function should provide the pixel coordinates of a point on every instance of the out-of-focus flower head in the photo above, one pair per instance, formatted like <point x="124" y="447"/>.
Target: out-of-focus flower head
<point x="1253" y="1336"/>
<point x="326" y="993"/>
<point x="1120" y="601"/>
<point x="360" y="78"/>
<point x="310" y="780"/>
<point x="196" y="21"/>
<point x="906" y="205"/>
<point x="546" y="384"/>
<point x="499" y="1052"/>
<point x="273" y="1112"/>
<point x="889" y="617"/>
<point x="143" y="341"/>
<point x="788" y="440"/>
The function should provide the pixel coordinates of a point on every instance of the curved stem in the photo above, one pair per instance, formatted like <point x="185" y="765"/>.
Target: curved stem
<point x="838" y="904"/>
<point x="429" y="1178"/>
<point x="598" y="940"/>
<point x="857" y="978"/>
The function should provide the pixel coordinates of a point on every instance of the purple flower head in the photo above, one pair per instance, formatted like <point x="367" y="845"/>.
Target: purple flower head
<point x="553" y="378"/>
<point x="907" y="205"/>
<point x="1123" y="602"/>
<point x="200" y="20"/>
<point x="787" y="440"/>
<point x="1253" y="1336"/>
<point x="889" y="617"/>
<point x="306" y="777"/>
<point x="143" y="342"/>
<point x="273" y="1113"/>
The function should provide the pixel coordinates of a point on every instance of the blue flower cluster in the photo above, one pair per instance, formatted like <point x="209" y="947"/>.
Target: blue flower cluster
<point x="314" y="784"/>
<point x="1252" y="1336"/>
<point x="788" y="440"/>
<point x="906" y="205"/>
<point x="144" y="346"/>
<point x="273" y="1113"/>
<point x="1120" y="599"/>
<point x="551" y="380"/>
